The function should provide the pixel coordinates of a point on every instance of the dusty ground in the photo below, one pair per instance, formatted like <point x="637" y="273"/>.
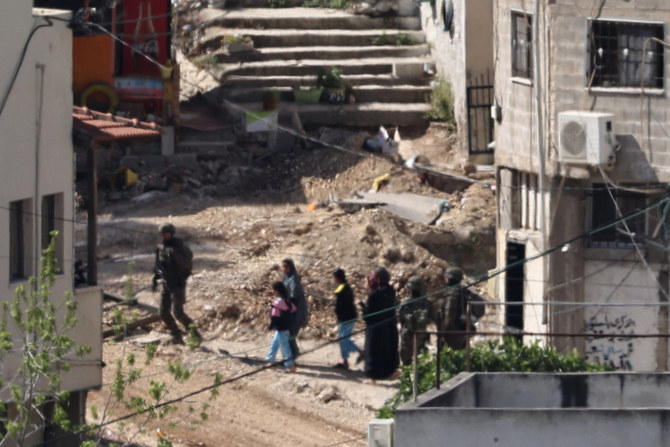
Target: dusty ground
<point x="239" y="237"/>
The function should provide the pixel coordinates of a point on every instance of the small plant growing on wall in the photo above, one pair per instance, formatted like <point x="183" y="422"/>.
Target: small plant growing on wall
<point x="442" y="102"/>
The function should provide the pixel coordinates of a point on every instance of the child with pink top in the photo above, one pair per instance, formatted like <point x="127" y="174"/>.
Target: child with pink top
<point x="280" y="320"/>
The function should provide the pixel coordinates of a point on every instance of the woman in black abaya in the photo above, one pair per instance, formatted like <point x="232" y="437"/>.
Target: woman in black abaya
<point x="381" y="333"/>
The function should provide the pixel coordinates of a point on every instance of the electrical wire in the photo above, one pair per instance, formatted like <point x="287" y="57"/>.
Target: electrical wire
<point x="385" y="321"/>
<point x="5" y="97"/>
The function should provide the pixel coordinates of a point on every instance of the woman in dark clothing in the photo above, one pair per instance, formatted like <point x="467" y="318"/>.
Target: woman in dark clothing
<point x="345" y="310"/>
<point x="381" y="333"/>
<point x="292" y="282"/>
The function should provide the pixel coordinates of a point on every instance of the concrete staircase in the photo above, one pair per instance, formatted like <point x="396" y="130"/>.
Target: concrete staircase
<point x="291" y="44"/>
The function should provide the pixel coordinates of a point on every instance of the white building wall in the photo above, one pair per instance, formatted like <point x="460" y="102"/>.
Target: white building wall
<point x="622" y="283"/>
<point x="36" y="160"/>
<point x="464" y="54"/>
<point x="449" y="52"/>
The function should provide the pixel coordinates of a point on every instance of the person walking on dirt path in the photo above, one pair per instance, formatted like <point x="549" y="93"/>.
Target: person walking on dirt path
<point x="174" y="261"/>
<point x="345" y="310"/>
<point x="292" y="282"/>
<point x="280" y="320"/>
<point x="453" y="313"/>
<point x="414" y="317"/>
<point x="381" y="332"/>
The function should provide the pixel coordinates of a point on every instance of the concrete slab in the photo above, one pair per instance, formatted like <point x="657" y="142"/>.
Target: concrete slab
<point x="413" y="207"/>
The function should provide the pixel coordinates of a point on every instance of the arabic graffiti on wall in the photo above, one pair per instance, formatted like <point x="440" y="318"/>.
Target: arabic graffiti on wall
<point x="613" y="351"/>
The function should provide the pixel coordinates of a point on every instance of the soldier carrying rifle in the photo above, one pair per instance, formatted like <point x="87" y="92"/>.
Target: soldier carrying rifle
<point x="174" y="262"/>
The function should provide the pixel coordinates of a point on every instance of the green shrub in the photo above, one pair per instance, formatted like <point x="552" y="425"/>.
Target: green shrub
<point x="442" y="102"/>
<point x="397" y="39"/>
<point x="329" y="77"/>
<point x="508" y="356"/>
<point x="333" y="4"/>
<point x="404" y="39"/>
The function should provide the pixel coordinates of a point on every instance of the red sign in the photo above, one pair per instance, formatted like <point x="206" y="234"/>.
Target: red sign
<point x="145" y="29"/>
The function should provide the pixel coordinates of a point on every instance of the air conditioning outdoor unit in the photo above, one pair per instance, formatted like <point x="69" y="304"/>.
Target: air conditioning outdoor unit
<point x="585" y="137"/>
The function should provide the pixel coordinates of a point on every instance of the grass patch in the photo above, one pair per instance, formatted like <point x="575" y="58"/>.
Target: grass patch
<point x="442" y="102"/>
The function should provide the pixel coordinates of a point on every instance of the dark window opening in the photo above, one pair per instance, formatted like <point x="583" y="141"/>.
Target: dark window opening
<point x="616" y="52"/>
<point x="17" y="243"/>
<point x="514" y="284"/>
<point x="604" y="211"/>
<point x="522" y="56"/>
<point x="52" y="220"/>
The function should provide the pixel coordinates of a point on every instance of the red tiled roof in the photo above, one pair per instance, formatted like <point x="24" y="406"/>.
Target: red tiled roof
<point x="105" y="128"/>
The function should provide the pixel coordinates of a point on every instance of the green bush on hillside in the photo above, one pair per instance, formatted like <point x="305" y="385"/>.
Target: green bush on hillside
<point x="493" y="356"/>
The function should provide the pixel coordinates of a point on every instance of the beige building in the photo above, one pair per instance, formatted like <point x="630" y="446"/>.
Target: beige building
<point x="597" y="125"/>
<point x="36" y="165"/>
<point x="461" y="35"/>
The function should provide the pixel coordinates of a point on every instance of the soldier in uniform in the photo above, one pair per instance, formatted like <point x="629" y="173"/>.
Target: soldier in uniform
<point x="173" y="267"/>
<point x="414" y="316"/>
<point x="452" y="315"/>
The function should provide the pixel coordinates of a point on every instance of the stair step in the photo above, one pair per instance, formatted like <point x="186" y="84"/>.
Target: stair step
<point x="302" y="18"/>
<point x="311" y="66"/>
<point x="323" y="52"/>
<point x="266" y="38"/>
<point x="363" y="94"/>
<point x="354" y="115"/>
<point x="233" y="82"/>
<point x="280" y="4"/>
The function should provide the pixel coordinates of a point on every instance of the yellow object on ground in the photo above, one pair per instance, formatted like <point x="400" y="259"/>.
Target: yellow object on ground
<point x="381" y="181"/>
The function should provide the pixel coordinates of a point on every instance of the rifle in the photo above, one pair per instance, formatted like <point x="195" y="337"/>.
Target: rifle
<point x="158" y="273"/>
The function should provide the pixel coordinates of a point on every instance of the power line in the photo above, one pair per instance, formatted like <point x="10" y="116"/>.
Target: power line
<point x="385" y="321"/>
<point x="19" y="63"/>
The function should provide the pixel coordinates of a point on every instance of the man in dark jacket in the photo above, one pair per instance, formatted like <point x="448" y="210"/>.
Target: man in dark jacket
<point x="345" y="310"/>
<point x="173" y="266"/>
<point x="292" y="282"/>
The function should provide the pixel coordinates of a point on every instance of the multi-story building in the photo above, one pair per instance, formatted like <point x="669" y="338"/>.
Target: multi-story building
<point x="36" y="166"/>
<point x="582" y="138"/>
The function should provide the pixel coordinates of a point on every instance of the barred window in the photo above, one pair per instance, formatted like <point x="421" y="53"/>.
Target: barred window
<point x="616" y="50"/>
<point x="604" y="210"/>
<point x="522" y="58"/>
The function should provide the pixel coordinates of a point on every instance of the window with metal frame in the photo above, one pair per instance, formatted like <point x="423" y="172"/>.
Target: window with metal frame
<point x="20" y="224"/>
<point x="522" y="55"/>
<point x="604" y="210"/>
<point x="624" y="54"/>
<point x="52" y="220"/>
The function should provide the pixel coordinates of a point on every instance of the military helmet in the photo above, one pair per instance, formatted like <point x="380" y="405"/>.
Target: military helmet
<point x="166" y="228"/>
<point x="454" y="275"/>
<point x="415" y="283"/>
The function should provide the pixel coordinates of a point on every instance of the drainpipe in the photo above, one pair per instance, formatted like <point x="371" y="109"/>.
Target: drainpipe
<point x="36" y="202"/>
<point x="540" y="131"/>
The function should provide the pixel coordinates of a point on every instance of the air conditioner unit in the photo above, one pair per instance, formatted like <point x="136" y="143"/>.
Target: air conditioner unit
<point x="585" y="137"/>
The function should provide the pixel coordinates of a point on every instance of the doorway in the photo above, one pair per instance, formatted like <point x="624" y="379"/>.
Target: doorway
<point x="514" y="282"/>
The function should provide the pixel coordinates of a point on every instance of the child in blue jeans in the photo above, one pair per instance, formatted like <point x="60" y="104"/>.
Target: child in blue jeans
<point x="280" y="320"/>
